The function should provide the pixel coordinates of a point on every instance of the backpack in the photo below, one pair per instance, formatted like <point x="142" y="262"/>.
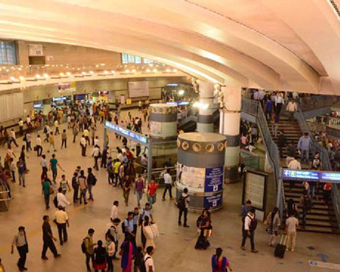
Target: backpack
<point x="307" y="203"/>
<point x="181" y="202"/>
<point x="55" y="201"/>
<point x="83" y="246"/>
<point x="253" y="223"/>
<point x="143" y="268"/>
<point x="94" y="181"/>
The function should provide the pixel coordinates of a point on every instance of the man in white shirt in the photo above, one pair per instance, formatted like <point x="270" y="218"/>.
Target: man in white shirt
<point x="47" y="131"/>
<point x="83" y="145"/>
<point x="114" y="211"/>
<point x="279" y="101"/>
<point x="95" y="154"/>
<point x="149" y="265"/>
<point x="294" y="164"/>
<point x="21" y="126"/>
<point x="168" y="184"/>
<point x="61" y="199"/>
<point x="56" y="125"/>
<point x="291" y="224"/>
<point x="249" y="231"/>
<point x="44" y="163"/>
<point x="28" y="122"/>
<point x="61" y="220"/>
<point x="38" y="145"/>
<point x="96" y="141"/>
<point x="12" y="137"/>
<point x="291" y="108"/>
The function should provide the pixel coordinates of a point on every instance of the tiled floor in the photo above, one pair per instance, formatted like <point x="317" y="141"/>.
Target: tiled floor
<point x="175" y="247"/>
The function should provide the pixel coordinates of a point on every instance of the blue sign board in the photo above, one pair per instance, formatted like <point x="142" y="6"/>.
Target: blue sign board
<point x="330" y="176"/>
<point x="180" y="103"/>
<point x="300" y="174"/>
<point x="214" y="179"/>
<point x="128" y="133"/>
<point x="213" y="201"/>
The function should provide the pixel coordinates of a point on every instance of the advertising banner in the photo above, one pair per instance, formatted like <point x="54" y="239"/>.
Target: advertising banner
<point x="214" y="179"/>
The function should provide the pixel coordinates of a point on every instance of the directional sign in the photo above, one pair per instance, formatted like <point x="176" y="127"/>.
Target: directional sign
<point x="331" y="177"/>
<point x="300" y="175"/>
<point x="128" y="133"/>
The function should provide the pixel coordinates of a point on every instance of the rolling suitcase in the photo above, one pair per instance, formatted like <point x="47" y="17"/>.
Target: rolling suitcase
<point x="280" y="249"/>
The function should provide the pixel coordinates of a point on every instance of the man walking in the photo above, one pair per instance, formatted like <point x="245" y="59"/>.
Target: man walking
<point x="83" y="145"/>
<point x="51" y="140"/>
<point x="20" y="242"/>
<point x="168" y="184"/>
<point x="291" y="224"/>
<point x="96" y="155"/>
<point x="291" y="108"/>
<point x="249" y="230"/>
<point x="53" y="166"/>
<point x="139" y="188"/>
<point x="61" y="220"/>
<point x="152" y="189"/>
<point x="303" y="146"/>
<point x="91" y="181"/>
<point x="114" y="211"/>
<point x="12" y="138"/>
<point x="183" y="204"/>
<point x="48" y="239"/>
<point x="89" y="250"/>
<point x="82" y="186"/>
<point x="38" y="146"/>
<point x="61" y="199"/>
<point x="47" y="191"/>
<point x="145" y="212"/>
<point x="75" y="186"/>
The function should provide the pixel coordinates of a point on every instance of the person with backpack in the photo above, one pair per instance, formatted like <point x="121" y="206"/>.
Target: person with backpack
<point x="306" y="205"/>
<point x="128" y="228"/>
<point x="147" y="211"/>
<point x="249" y="227"/>
<point x="91" y="181"/>
<point x="220" y="263"/>
<point x="113" y="231"/>
<point x="183" y="204"/>
<point x="99" y="257"/>
<point x="273" y="222"/>
<point x="87" y="248"/>
<point x="148" y="261"/>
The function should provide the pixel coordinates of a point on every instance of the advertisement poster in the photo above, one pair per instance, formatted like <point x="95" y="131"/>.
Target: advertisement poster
<point x="213" y="201"/>
<point x="214" y="179"/>
<point x="155" y="128"/>
<point x="193" y="177"/>
<point x="254" y="189"/>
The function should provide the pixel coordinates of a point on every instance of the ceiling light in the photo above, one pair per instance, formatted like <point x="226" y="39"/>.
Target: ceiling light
<point x="37" y="76"/>
<point x="83" y="73"/>
<point x="68" y="73"/>
<point x="61" y="74"/>
<point x="46" y="76"/>
<point x="106" y="72"/>
<point x="167" y="70"/>
<point x="91" y="72"/>
<point x="113" y="72"/>
<point x="21" y="78"/>
<point x="127" y="71"/>
<point x="148" y="70"/>
<point x="133" y="71"/>
<point x="174" y="70"/>
<point x="12" y="78"/>
<point x="154" y="70"/>
<point x="181" y="92"/>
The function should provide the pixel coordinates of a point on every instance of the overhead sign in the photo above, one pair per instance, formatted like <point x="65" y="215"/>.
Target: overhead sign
<point x="300" y="175"/>
<point x="179" y="103"/>
<point x="128" y="133"/>
<point x="214" y="179"/>
<point x="330" y="176"/>
<point x="67" y="87"/>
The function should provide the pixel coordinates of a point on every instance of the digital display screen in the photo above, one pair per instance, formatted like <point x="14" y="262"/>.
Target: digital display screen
<point x="135" y="136"/>
<point x="300" y="174"/>
<point x="180" y="103"/>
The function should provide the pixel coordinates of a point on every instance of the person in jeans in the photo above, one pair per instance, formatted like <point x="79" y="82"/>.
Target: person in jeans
<point x="21" y="172"/>
<point x="126" y="189"/>
<point x="304" y="145"/>
<point x="291" y="224"/>
<point x="62" y="221"/>
<point x="146" y="212"/>
<point x="38" y="146"/>
<point x="110" y="249"/>
<point x="305" y="204"/>
<point x="91" y="180"/>
<point x="89" y="245"/>
<point x="48" y="239"/>
<point x="63" y="139"/>
<point x="82" y="187"/>
<point x="139" y="189"/>
<point x="282" y="141"/>
<point x="183" y="210"/>
<point x="168" y="184"/>
<point x="152" y="189"/>
<point x="248" y="230"/>
<point x="54" y="164"/>
<point x="75" y="186"/>
<point x="20" y="242"/>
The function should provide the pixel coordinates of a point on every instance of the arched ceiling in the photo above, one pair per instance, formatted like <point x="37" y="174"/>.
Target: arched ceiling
<point x="283" y="45"/>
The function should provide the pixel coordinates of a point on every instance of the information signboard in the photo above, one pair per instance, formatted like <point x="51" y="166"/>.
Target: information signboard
<point x="254" y="189"/>
<point x="128" y="133"/>
<point x="330" y="177"/>
<point x="214" y="179"/>
<point x="300" y="175"/>
<point x="213" y="201"/>
<point x="193" y="178"/>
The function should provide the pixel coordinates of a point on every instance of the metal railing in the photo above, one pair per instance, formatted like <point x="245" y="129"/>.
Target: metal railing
<point x="324" y="157"/>
<point x="254" y="108"/>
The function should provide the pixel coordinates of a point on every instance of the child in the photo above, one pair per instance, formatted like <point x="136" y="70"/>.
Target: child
<point x="100" y="257"/>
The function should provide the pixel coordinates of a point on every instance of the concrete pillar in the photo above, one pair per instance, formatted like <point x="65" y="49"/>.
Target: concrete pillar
<point x="205" y="115"/>
<point x="230" y="127"/>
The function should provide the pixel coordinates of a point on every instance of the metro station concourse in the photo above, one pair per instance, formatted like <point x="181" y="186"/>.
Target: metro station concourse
<point x="172" y="136"/>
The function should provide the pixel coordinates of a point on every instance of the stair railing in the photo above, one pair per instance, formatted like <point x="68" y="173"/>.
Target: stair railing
<point x="324" y="157"/>
<point x="254" y="108"/>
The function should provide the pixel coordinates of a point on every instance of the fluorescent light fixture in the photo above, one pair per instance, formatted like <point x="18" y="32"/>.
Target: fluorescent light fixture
<point x="91" y="72"/>
<point x="21" y="78"/>
<point x="154" y="70"/>
<point x="174" y="70"/>
<point x="68" y="73"/>
<point x="181" y="92"/>
<point x="46" y="76"/>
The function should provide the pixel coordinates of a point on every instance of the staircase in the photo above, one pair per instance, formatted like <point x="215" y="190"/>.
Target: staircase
<point x="319" y="219"/>
<point x="291" y="130"/>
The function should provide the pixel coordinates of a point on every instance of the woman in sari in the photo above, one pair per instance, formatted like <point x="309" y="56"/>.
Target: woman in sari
<point x="127" y="252"/>
<point x="205" y="231"/>
<point x="148" y="233"/>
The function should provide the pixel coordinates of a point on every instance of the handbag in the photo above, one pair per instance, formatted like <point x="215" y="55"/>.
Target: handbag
<point x="51" y="190"/>
<point x="207" y="232"/>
